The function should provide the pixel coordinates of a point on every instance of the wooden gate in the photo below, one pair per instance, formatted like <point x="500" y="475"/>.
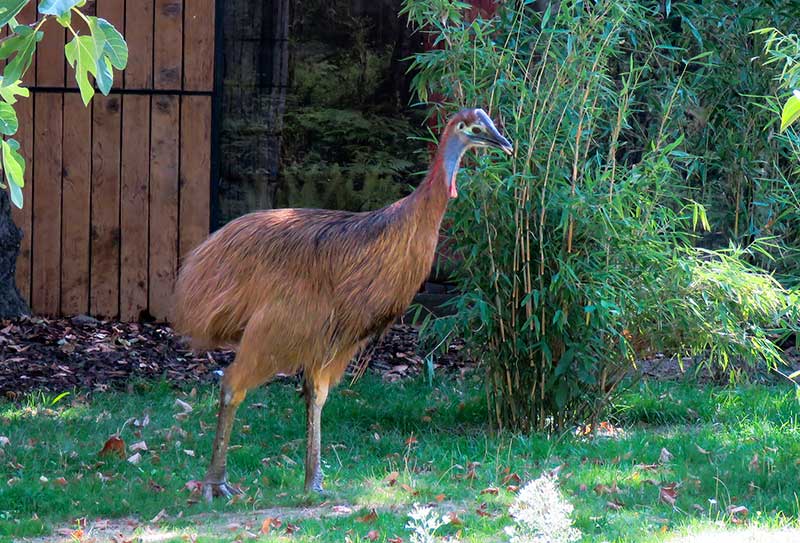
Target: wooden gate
<point x="116" y="192"/>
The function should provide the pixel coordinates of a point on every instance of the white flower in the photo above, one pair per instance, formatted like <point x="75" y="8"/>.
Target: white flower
<point x="541" y="514"/>
<point x="424" y="523"/>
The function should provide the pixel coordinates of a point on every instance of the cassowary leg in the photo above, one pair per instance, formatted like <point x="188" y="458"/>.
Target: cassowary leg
<point x="216" y="480"/>
<point x="315" y="390"/>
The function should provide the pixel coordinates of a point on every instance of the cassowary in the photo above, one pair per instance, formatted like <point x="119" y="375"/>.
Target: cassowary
<point x="305" y="289"/>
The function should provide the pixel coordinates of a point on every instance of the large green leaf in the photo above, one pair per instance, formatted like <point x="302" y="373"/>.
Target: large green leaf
<point x="109" y="42"/>
<point x="8" y="120"/>
<point x="104" y="75"/>
<point x="791" y="110"/>
<point x="58" y="7"/>
<point x="24" y="44"/>
<point x="9" y="9"/>
<point x="13" y="163"/>
<point x="10" y="92"/>
<point x="81" y="55"/>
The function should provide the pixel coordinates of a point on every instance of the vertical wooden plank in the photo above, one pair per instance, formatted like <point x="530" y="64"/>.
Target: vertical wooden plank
<point x="76" y="190"/>
<point x="104" y="295"/>
<point x="198" y="58"/>
<point x="139" y="35"/>
<point x="168" y="44"/>
<point x="113" y="11"/>
<point x="46" y="248"/>
<point x="134" y="206"/>
<point x="50" y="56"/>
<point x="195" y="186"/>
<point x="24" y="217"/>
<point x="163" y="204"/>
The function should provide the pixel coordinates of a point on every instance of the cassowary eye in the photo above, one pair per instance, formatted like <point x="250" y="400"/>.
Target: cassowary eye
<point x="476" y="130"/>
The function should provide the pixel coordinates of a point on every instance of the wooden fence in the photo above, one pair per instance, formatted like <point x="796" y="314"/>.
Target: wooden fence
<point x="118" y="191"/>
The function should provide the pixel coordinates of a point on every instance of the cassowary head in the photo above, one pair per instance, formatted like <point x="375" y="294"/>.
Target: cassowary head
<point x="474" y="128"/>
<point x="467" y="129"/>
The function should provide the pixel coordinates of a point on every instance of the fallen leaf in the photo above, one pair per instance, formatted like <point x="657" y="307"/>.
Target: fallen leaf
<point x="372" y="516"/>
<point x="614" y="505"/>
<point x="292" y="528"/>
<point x="4" y="441"/>
<point x="188" y="452"/>
<point x="699" y="508"/>
<point x="440" y="498"/>
<point x="373" y="535"/>
<point x="394" y="540"/>
<point x="270" y="523"/>
<point x="490" y="490"/>
<point x="60" y="481"/>
<point x="185" y="407"/>
<point x="342" y="509"/>
<point x="737" y="510"/>
<point x="113" y="446"/>
<point x="668" y="493"/>
<point x="411" y="440"/>
<point x="647" y="467"/>
<point x="161" y="514"/>
<point x="138" y="446"/>
<point x="665" y="456"/>
<point x="43" y="479"/>
<point x="135" y="458"/>
<point x="604" y="489"/>
<point x="194" y="486"/>
<point x="409" y="489"/>
<point x="512" y="478"/>
<point x="391" y="479"/>
<point x="753" y="465"/>
<point x="453" y="519"/>
<point x="482" y="511"/>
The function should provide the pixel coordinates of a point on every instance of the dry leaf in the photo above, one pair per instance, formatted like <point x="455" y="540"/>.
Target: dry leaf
<point x="665" y="456"/>
<point x="135" y="458"/>
<point x="194" y="486"/>
<point x="668" y="493"/>
<point x="270" y="523"/>
<point x="4" y="441"/>
<point x="185" y="407"/>
<point x="440" y="498"/>
<point x="138" y="446"/>
<point x="391" y="479"/>
<point x="737" y="510"/>
<point x="372" y="516"/>
<point x="409" y="489"/>
<point x="614" y="505"/>
<point x="60" y="481"/>
<point x="394" y="540"/>
<point x="292" y="528"/>
<point x="373" y="535"/>
<point x="113" y="446"/>
<point x="161" y="514"/>
<point x="699" y="508"/>
<point x="512" y="478"/>
<point x="490" y="490"/>
<point x="342" y="509"/>
<point x="411" y="440"/>
<point x="482" y="511"/>
<point x="188" y="452"/>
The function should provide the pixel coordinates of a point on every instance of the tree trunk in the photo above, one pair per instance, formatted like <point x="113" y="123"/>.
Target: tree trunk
<point x="11" y="303"/>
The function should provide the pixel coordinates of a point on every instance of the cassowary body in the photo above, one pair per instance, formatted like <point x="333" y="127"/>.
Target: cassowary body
<point x="305" y="289"/>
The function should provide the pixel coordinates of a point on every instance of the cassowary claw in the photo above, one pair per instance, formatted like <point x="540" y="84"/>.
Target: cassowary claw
<point x="219" y="490"/>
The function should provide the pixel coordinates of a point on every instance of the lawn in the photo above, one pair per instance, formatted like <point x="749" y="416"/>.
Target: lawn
<point x="678" y="460"/>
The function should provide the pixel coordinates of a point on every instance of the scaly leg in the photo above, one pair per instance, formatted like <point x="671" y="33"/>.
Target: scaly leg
<point x="216" y="480"/>
<point x="316" y="392"/>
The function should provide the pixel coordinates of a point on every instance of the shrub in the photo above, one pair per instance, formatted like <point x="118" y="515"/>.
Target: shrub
<point x="578" y="251"/>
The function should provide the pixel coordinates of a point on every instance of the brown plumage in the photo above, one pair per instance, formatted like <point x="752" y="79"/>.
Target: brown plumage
<point x="305" y="289"/>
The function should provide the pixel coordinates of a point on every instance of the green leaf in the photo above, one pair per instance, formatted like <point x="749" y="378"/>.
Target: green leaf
<point x="81" y="55"/>
<point x="65" y="20"/>
<point x="10" y="92"/>
<point x="8" y="119"/>
<point x="24" y="44"/>
<point x="115" y="47"/>
<point x="57" y="7"/>
<point x="9" y="9"/>
<point x="104" y="75"/>
<point x="791" y="111"/>
<point x="13" y="163"/>
<point x="16" y="195"/>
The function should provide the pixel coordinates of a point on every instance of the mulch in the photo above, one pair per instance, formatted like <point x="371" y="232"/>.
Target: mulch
<point x="58" y="355"/>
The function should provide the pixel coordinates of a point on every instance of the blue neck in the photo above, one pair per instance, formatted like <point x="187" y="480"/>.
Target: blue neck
<point x="451" y="158"/>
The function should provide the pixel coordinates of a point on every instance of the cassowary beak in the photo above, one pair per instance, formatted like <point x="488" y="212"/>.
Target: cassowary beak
<point x="492" y="136"/>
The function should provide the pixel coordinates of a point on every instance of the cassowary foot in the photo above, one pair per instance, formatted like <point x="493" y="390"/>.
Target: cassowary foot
<point x="315" y="484"/>
<point x="220" y="489"/>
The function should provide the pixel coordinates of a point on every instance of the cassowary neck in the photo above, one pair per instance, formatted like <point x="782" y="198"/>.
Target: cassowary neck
<point x="430" y="199"/>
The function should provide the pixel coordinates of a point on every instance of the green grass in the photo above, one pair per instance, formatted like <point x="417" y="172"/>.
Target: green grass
<point x="714" y="435"/>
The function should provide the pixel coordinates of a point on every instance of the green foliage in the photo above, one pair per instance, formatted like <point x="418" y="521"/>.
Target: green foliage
<point x="98" y="54"/>
<point x="578" y="252"/>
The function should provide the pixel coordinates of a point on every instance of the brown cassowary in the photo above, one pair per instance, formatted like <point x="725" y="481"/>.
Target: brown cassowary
<point x="305" y="289"/>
